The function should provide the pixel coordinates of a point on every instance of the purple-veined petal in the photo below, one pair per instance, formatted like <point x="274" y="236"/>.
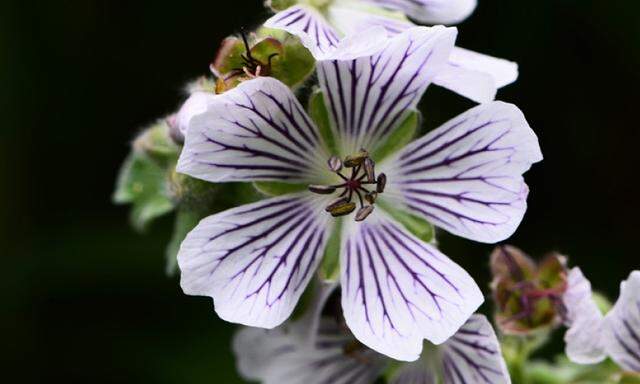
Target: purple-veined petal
<point x="475" y="75"/>
<point x="417" y="372"/>
<point x="466" y="176"/>
<point x="432" y="11"/>
<point x="281" y="357"/>
<point x="584" y="343"/>
<point x="368" y="97"/>
<point x="473" y="355"/>
<point x="398" y="290"/>
<point x="256" y="260"/>
<point x="322" y="39"/>
<point x="352" y="18"/>
<point x="256" y="131"/>
<point x="622" y="326"/>
<point x="195" y="105"/>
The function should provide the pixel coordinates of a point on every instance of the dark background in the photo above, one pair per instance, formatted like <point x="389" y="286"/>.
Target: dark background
<point x="86" y="298"/>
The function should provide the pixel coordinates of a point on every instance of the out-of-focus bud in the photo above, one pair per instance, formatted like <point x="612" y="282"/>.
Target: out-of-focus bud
<point x="527" y="295"/>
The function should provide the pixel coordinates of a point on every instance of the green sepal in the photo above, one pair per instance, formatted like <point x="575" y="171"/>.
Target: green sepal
<point x="330" y="267"/>
<point x="295" y="64"/>
<point x="320" y="115"/>
<point x="399" y="137"/>
<point x="280" y="5"/>
<point x="421" y="228"/>
<point x="143" y="183"/>
<point x="186" y="219"/>
<point x="274" y="188"/>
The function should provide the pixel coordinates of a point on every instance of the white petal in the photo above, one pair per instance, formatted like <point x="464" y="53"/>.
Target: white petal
<point x="622" y="326"/>
<point x="256" y="260"/>
<point x="256" y="131"/>
<point x="352" y="18"/>
<point x="475" y="75"/>
<point x="368" y="97"/>
<point x="322" y="39"/>
<point x="280" y="357"/>
<point x="473" y="355"/>
<point x="398" y="290"/>
<point x="584" y="343"/>
<point x="196" y="104"/>
<point x="466" y="176"/>
<point x="432" y="11"/>
<point x="416" y="372"/>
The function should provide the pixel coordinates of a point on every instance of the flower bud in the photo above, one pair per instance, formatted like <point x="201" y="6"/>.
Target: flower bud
<point x="528" y="295"/>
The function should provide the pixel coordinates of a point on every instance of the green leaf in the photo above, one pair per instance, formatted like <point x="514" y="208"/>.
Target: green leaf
<point x="294" y="65"/>
<point x="330" y="268"/>
<point x="144" y="184"/>
<point x="399" y="137"/>
<point x="274" y="188"/>
<point x="186" y="219"/>
<point x="320" y="115"/>
<point x="421" y="228"/>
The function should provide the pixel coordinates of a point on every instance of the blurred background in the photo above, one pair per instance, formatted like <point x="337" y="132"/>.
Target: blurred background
<point x="85" y="298"/>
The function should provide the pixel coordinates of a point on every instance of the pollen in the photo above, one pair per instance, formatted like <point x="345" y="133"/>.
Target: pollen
<point x="361" y="185"/>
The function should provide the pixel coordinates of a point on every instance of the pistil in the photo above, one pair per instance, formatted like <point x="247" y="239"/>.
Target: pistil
<point x="355" y="185"/>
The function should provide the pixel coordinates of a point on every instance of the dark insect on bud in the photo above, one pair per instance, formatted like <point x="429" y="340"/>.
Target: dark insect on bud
<point x="369" y="168"/>
<point x="335" y="164"/>
<point x="322" y="189"/>
<point x="364" y="212"/>
<point x="382" y="183"/>
<point x="355" y="160"/>
<point x="342" y="209"/>
<point x="371" y="197"/>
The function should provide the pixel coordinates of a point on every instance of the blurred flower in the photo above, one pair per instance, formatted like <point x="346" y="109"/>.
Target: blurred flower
<point x="283" y="356"/>
<point x="591" y="337"/>
<point x="528" y="296"/>
<point x="321" y="25"/>
<point x="466" y="176"/>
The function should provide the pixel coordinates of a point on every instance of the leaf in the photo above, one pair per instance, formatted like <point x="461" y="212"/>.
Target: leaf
<point x="399" y="138"/>
<point x="144" y="184"/>
<point x="320" y="115"/>
<point x="274" y="188"/>
<point x="421" y="228"/>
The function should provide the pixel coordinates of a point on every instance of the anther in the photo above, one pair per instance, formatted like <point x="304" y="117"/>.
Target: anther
<point x="355" y="160"/>
<point x="336" y="203"/>
<point x="364" y="212"/>
<point x="335" y="164"/>
<point x="322" y="189"/>
<point x="369" y="168"/>
<point x="371" y="197"/>
<point x="342" y="209"/>
<point x="381" y="183"/>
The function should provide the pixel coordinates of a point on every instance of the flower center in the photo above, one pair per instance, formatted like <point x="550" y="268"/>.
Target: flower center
<point x="361" y="183"/>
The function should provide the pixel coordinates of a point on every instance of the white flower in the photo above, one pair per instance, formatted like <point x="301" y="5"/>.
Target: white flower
<point x="592" y="337"/>
<point x="282" y="356"/>
<point x="321" y="28"/>
<point x="466" y="177"/>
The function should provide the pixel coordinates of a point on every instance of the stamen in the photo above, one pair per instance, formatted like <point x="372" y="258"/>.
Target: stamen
<point x="355" y="160"/>
<point x="364" y="212"/>
<point x="335" y="164"/>
<point x="369" y="168"/>
<point x="362" y="173"/>
<point x="382" y="182"/>
<point x="322" y="189"/>
<point x="342" y="209"/>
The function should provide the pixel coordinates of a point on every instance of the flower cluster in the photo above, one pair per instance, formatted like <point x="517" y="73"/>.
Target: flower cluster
<point x="296" y="170"/>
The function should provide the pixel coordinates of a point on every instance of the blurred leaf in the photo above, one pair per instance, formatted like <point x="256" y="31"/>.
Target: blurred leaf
<point x="399" y="137"/>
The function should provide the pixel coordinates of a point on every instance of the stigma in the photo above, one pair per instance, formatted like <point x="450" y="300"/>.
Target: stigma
<point x="361" y="186"/>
